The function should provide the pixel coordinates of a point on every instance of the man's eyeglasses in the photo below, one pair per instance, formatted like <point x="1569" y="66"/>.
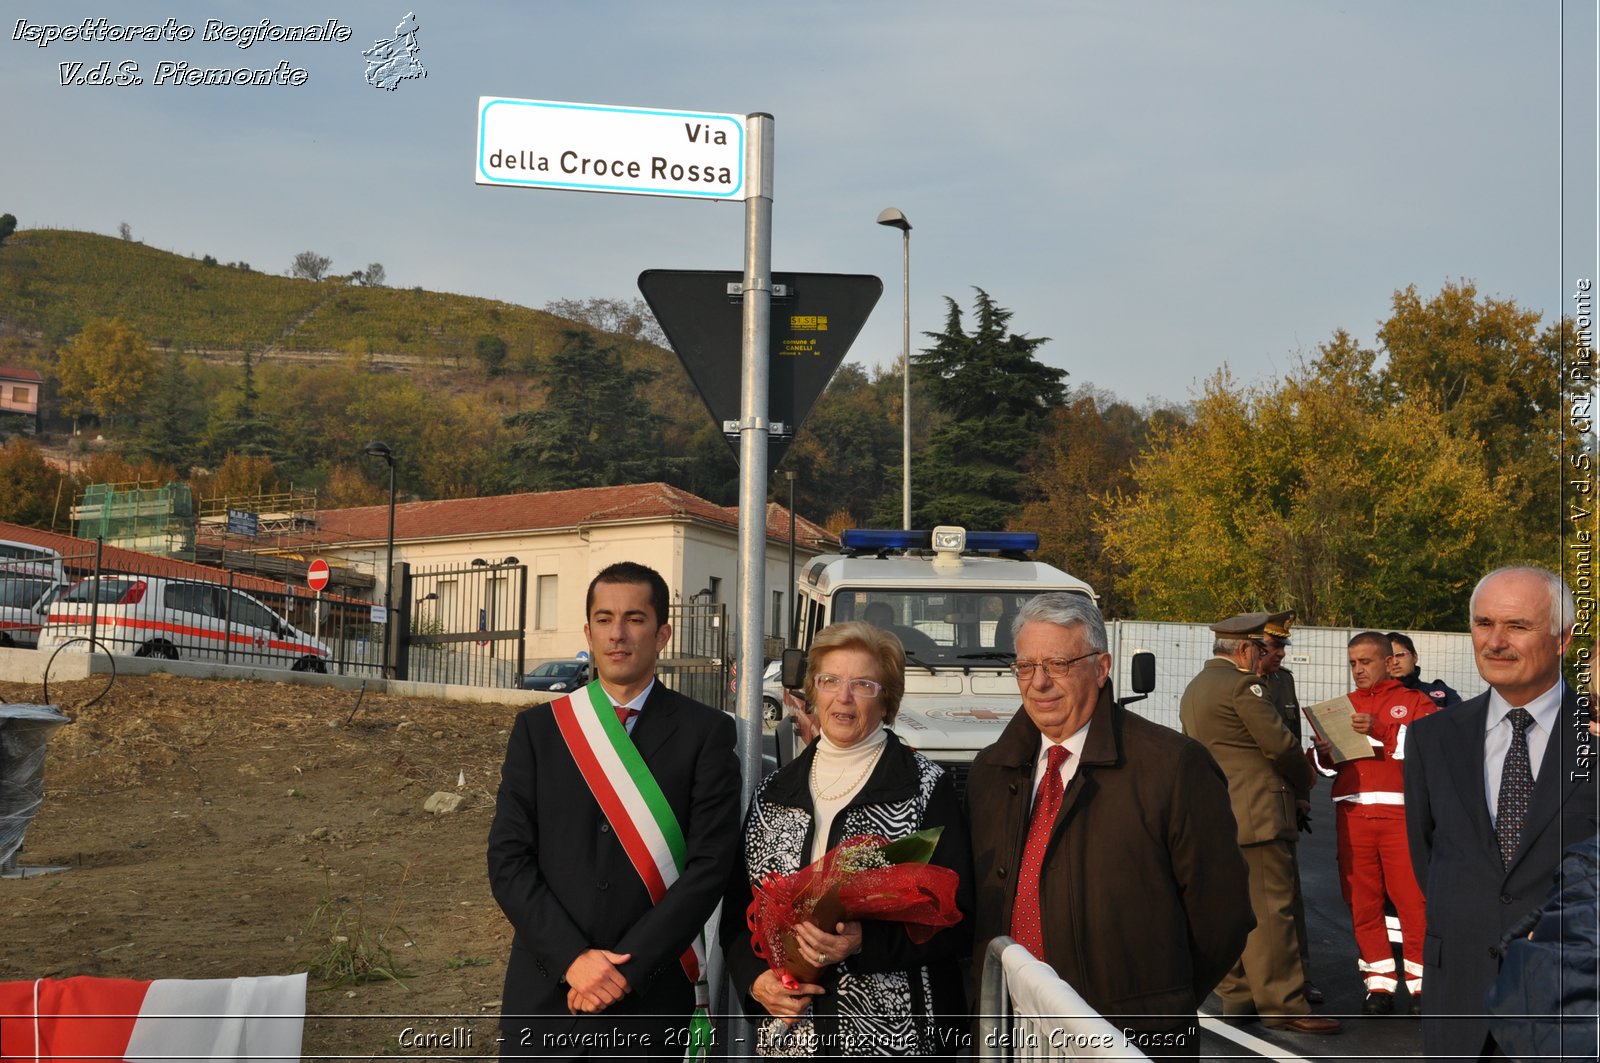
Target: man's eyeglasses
<point x="861" y="688"/>
<point x="1054" y="667"/>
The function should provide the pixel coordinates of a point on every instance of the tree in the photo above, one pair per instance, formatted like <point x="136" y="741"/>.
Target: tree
<point x="1309" y="497"/>
<point x="595" y="428"/>
<point x="168" y="433"/>
<point x="1086" y="453"/>
<point x="8" y="225"/>
<point x="125" y="230"/>
<point x="105" y="369"/>
<point x="843" y="454"/>
<point x="241" y="427"/>
<point x="374" y="276"/>
<point x="30" y="489"/>
<point x="630" y="318"/>
<point x="1494" y="377"/>
<point x="491" y="352"/>
<point x="310" y="266"/>
<point x="240" y="476"/>
<point x="997" y="397"/>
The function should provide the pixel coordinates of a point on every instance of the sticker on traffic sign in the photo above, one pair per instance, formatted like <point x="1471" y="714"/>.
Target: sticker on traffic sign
<point x="589" y="147"/>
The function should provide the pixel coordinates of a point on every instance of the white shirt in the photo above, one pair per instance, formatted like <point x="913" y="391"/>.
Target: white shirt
<point x="1074" y="744"/>
<point x="637" y="704"/>
<point x="1546" y="712"/>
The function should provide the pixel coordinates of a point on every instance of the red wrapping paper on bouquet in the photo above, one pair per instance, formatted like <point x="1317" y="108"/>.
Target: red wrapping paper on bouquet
<point x="865" y="877"/>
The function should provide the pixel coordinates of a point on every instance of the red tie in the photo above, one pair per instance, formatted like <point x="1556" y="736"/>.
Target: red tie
<point x="624" y="714"/>
<point x="1026" y="927"/>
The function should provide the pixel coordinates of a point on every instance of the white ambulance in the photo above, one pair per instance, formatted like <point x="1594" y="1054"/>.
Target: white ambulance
<point x="176" y="619"/>
<point x="950" y="595"/>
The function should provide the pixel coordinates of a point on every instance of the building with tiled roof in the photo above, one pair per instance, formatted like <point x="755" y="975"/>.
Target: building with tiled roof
<point x="563" y="538"/>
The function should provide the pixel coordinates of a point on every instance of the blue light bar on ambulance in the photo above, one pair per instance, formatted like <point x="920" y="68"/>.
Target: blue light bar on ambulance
<point x="896" y="539"/>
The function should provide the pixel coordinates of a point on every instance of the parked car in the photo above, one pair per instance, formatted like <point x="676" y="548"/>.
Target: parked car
<point x="150" y="616"/>
<point x="772" y="692"/>
<point x="24" y="603"/>
<point x="30" y="576"/>
<point x="557" y="676"/>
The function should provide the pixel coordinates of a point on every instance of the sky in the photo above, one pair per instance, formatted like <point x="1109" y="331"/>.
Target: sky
<point x="1162" y="188"/>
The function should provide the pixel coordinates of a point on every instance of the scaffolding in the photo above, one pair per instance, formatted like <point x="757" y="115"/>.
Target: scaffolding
<point x="139" y="516"/>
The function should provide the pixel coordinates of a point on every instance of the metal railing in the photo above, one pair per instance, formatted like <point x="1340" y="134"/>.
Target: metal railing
<point x="1027" y="1012"/>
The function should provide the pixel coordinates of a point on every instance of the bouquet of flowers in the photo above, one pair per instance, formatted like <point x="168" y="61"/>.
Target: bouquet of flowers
<point x="865" y="877"/>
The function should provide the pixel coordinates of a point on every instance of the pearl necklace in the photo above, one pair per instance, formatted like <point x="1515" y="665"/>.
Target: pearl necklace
<point x="816" y="787"/>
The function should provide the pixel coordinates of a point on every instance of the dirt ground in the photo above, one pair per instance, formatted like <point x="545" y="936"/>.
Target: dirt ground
<point x="207" y="823"/>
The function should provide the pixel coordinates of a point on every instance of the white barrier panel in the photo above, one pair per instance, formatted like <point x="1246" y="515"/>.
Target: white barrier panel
<point x="1029" y="1013"/>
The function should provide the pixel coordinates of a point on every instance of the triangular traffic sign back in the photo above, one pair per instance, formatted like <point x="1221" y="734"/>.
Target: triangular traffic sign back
<point x="815" y="318"/>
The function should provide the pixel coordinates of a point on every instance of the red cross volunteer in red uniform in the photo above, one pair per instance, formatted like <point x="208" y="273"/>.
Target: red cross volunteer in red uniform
<point x="1369" y="803"/>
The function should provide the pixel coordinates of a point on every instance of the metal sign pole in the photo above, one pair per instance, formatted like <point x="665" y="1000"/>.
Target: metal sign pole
<point x="753" y="421"/>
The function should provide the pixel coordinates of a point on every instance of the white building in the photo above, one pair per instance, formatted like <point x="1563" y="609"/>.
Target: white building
<point x="564" y="538"/>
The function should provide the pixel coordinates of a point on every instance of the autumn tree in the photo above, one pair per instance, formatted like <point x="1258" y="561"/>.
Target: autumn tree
<point x="1308" y="496"/>
<point x="31" y="491"/>
<point x="239" y="476"/>
<point x="997" y="397"/>
<point x="1086" y="454"/>
<point x="1494" y="376"/>
<point x="104" y="370"/>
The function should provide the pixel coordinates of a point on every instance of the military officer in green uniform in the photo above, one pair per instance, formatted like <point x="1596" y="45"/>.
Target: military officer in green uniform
<point x="1226" y="708"/>
<point x="1280" y="691"/>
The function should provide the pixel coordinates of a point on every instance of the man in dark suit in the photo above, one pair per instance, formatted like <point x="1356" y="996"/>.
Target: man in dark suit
<point x="1494" y="792"/>
<point x="1102" y="842"/>
<point x="597" y="966"/>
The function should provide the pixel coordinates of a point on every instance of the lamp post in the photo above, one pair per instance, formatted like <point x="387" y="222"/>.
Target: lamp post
<point x="897" y="220"/>
<point x="383" y="450"/>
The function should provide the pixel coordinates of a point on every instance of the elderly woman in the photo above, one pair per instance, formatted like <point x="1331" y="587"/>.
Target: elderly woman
<point x="878" y="993"/>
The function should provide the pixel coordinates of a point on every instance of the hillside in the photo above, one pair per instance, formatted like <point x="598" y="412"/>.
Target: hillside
<point x="52" y="281"/>
<point x="332" y="357"/>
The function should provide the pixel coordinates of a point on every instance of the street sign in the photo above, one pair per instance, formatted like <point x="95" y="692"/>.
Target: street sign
<point x="589" y="147"/>
<point x="317" y="574"/>
<point x="815" y="319"/>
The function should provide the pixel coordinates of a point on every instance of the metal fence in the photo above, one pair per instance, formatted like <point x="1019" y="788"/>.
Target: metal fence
<point x="696" y="660"/>
<point x="464" y="624"/>
<point x="151" y="606"/>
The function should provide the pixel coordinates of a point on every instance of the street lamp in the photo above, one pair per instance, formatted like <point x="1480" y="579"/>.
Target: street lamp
<point x="897" y="220"/>
<point x="383" y="450"/>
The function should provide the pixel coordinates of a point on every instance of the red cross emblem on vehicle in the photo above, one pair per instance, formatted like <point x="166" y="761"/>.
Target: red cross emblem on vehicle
<point x="261" y="642"/>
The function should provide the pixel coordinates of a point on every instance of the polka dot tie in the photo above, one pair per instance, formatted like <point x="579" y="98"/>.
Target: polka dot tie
<point x="1026" y="926"/>
<point x="1516" y="787"/>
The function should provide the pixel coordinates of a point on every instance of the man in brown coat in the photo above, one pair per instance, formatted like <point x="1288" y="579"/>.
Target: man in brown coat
<point x="1138" y="893"/>
<point x="1226" y="708"/>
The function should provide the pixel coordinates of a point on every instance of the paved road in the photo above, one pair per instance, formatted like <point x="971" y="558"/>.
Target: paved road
<point x="1333" y="968"/>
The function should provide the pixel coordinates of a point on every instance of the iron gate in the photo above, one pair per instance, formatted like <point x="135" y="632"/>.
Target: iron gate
<point x="466" y="624"/>
<point x="696" y="661"/>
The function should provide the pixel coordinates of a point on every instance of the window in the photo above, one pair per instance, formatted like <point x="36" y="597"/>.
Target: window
<point x="777" y="628"/>
<point x="545" y="603"/>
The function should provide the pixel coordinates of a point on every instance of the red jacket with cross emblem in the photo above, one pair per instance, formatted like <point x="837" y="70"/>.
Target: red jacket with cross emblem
<point x="1377" y="783"/>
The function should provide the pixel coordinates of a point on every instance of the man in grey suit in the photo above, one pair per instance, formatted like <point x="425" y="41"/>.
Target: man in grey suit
<point x="1494" y="792"/>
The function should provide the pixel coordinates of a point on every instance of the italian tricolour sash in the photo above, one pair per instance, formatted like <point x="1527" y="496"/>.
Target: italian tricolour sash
<point x="638" y="812"/>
